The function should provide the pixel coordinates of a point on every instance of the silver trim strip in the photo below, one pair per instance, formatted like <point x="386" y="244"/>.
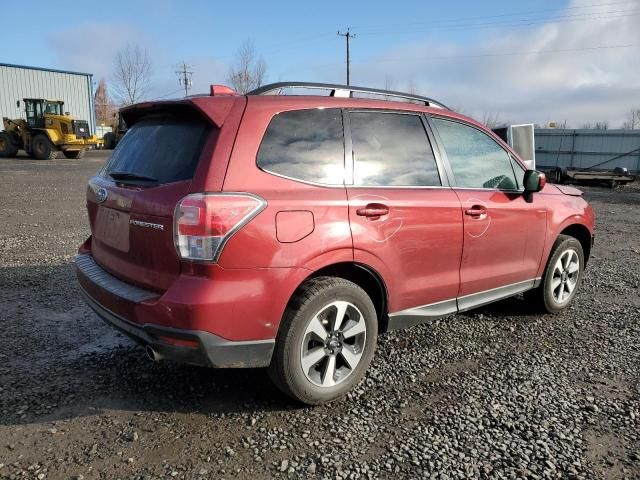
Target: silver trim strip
<point x="474" y="300"/>
<point x="414" y="316"/>
<point x="339" y="90"/>
<point x="417" y="315"/>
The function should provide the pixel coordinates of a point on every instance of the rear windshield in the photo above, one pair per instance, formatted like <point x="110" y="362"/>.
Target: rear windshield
<point x="164" y="148"/>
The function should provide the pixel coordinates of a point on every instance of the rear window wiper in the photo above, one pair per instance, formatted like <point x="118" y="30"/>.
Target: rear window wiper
<point x="132" y="176"/>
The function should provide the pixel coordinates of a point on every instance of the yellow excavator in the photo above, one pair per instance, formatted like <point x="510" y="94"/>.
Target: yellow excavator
<point x="46" y="131"/>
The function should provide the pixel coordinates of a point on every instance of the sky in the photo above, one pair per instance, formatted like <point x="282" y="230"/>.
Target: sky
<point x="515" y="61"/>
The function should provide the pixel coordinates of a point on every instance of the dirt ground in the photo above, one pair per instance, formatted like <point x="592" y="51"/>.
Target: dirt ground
<point x="494" y="393"/>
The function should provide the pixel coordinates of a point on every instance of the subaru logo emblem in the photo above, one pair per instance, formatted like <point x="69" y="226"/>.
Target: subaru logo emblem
<point x="102" y="194"/>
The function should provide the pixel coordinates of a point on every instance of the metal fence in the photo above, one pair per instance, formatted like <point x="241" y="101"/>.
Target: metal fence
<point x="581" y="149"/>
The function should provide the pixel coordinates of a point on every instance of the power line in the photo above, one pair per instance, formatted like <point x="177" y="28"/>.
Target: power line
<point x="298" y="42"/>
<point x="536" y="52"/>
<point x="347" y="36"/>
<point x="513" y="23"/>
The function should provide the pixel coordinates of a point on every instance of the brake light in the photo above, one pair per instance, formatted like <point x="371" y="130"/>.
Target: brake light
<point x="221" y="90"/>
<point x="204" y="222"/>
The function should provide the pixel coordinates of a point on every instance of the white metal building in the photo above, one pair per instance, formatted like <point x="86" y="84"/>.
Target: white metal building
<point x="73" y="88"/>
<point x="596" y="149"/>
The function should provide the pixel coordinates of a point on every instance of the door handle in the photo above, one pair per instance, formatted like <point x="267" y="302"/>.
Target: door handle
<point x="373" y="210"/>
<point x="476" y="211"/>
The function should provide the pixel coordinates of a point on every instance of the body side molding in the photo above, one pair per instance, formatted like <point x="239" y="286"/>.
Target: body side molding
<point x="417" y="315"/>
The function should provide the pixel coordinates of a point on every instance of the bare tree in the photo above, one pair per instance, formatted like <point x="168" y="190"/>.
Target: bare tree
<point x="388" y="82"/>
<point x="103" y="105"/>
<point x="492" y="120"/>
<point x="411" y="87"/>
<point x="633" y="120"/>
<point x="132" y="74"/>
<point x="603" y="125"/>
<point x="249" y="70"/>
<point x="459" y="109"/>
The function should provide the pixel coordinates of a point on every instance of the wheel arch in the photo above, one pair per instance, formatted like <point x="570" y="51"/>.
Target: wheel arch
<point x="366" y="278"/>
<point x="582" y="234"/>
<point x="576" y="226"/>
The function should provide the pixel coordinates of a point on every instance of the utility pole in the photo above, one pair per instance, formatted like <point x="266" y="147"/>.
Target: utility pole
<point x="184" y="78"/>
<point x="348" y="36"/>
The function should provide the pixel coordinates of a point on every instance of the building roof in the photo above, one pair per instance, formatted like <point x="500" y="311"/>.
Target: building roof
<point x="45" y="69"/>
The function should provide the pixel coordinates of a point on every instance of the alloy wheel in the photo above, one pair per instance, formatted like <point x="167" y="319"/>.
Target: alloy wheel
<point x="565" y="276"/>
<point x="333" y="344"/>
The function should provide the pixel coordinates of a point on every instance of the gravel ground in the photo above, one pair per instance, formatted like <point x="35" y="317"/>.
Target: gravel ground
<point x="494" y="393"/>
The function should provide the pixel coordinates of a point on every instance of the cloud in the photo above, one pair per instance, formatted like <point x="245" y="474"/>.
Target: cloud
<point x="568" y="80"/>
<point x="91" y="46"/>
<point x="71" y="50"/>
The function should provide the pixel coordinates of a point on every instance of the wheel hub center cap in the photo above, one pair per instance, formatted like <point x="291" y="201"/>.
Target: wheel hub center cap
<point x="333" y="344"/>
<point x="564" y="276"/>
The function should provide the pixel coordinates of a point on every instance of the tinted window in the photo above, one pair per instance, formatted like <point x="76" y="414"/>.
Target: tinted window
<point x="391" y="149"/>
<point x="306" y="145"/>
<point x="476" y="159"/>
<point x="164" y="148"/>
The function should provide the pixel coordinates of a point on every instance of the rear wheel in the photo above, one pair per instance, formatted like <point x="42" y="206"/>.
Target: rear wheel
<point x="7" y="148"/>
<point x="562" y="276"/>
<point x="326" y="341"/>
<point x="42" y="148"/>
<point x="109" y="141"/>
<point x="74" y="153"/>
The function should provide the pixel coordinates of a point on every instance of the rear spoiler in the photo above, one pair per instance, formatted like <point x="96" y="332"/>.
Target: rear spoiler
<point x="214" y="109"/>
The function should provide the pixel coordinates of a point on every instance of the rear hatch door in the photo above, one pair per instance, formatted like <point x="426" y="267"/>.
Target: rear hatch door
<point x="131" y="201"/>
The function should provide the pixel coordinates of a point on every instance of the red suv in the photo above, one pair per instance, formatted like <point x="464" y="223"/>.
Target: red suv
<point x="288" y="227"/>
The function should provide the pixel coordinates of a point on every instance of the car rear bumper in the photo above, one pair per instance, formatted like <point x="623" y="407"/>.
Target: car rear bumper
<point x="193" y="347"/>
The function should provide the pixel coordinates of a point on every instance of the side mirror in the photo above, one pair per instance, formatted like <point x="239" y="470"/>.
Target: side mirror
<point x="534" y="181"/>
<point x="18" y="103"/>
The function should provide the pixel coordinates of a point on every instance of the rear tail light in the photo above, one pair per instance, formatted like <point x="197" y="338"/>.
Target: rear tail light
<point x="204" y="222"/>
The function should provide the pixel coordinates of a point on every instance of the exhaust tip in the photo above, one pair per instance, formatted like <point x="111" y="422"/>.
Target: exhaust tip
<point x="152" y="354"/>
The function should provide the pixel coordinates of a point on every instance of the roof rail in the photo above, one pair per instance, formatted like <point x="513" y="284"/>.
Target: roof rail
<point x="344" y="91"/>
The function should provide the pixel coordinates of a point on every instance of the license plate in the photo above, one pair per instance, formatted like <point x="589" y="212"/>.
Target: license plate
<point x="112" y="228"/>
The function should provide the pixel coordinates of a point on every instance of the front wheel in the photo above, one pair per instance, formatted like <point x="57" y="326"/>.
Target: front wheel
<point x="326" y="341"/>
<point x="7" y="148"/>
<point x="562" y="276"/>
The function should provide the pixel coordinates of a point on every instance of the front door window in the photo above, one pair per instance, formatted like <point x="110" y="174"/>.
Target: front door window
<point x="476" y="159"/>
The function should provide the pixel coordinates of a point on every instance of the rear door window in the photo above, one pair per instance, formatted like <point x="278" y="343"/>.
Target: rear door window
<point x="305" y="145"/>
<point x="391" y="149"/>
<point x="164" y="148"/>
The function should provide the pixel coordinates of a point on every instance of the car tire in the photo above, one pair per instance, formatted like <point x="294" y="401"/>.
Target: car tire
<point x="109" y="141"/>
<point x="557" y="175"/>
<point x="561" y="278"/>
<point x="7" y="148"/>
<point x="75" y="154"/>
<point x="42" y="148"/>
<point x="314" y="361"/>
